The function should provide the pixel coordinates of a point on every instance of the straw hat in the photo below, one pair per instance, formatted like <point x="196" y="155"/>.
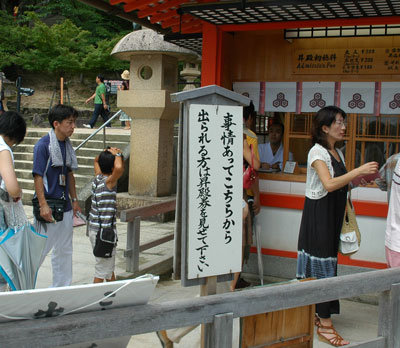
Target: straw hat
<point x="125" y="75"/>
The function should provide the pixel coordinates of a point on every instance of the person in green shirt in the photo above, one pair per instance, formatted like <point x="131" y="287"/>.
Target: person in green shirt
<point x="100" y="105"/>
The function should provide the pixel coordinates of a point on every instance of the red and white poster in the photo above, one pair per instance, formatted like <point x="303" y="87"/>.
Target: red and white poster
<point x="317" y="95"/>
<point x="250" y="90"/>
<point x="390" y="98"/>
<point x="357" y="97"/>
<point x="280" y="96"/>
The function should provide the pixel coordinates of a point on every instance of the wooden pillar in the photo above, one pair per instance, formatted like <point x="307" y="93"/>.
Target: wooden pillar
<point x="211" y="56"/>
<point x="286" y="140"/>
<point x="133" y="245"/>
<point x="62" y="90"/>
<point x="209" y="288"/>
<point x="389" y="316"/>
<point x="222" y="331"/>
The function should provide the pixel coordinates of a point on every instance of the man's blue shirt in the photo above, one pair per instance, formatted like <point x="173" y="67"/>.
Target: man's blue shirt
<point x="40" y="157"/>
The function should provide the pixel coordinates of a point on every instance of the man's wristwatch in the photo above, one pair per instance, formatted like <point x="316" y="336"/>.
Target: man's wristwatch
<point x="119" y="154"/>
<point x="74" y="199"/>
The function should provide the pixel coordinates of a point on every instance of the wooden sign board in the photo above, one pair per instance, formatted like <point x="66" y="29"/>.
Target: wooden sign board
<point x="215" y="184"/>
<point x="54" y="302"/>
<point x="344" y="61"/>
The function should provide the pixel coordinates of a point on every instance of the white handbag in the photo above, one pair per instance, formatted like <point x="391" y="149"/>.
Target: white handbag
<point x="350" y="236"/>
<point x="348" y="243"/>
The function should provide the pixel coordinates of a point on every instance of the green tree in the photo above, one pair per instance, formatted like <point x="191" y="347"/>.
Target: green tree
<point x="8" y="41"/>
<point x="98" y="57"/>
<point x="58" y="48"/>
<point x="100" y="24"/>
<point x="33" y="42"/>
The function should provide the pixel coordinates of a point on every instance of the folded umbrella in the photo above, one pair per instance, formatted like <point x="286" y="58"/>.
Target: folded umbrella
<point x="21" y="248"/>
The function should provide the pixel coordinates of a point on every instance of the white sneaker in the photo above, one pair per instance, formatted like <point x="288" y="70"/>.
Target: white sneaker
<point x="86" y="125"/>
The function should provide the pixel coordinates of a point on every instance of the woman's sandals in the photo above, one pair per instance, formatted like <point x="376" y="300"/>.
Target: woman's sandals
<point x="317" y="321"/>
<point x="335" y="339"/>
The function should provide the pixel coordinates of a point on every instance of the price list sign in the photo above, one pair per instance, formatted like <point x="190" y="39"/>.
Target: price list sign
<point x="372" y="61"/>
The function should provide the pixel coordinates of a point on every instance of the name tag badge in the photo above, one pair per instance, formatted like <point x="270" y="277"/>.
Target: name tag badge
<point x="62" y="180"/>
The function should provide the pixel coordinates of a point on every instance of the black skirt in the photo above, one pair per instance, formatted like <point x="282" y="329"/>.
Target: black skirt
<point x="319" y="235"/>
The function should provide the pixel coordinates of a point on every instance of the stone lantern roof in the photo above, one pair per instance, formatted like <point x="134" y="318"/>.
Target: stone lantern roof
<point x="147" y="41"/>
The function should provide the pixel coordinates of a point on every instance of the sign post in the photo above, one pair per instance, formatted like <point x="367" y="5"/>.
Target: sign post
<point x="208" y="223"/>
<point x="22" y="91"/>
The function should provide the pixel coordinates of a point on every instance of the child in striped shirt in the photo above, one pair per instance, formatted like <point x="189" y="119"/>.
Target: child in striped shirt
<point x="108" y="167"/>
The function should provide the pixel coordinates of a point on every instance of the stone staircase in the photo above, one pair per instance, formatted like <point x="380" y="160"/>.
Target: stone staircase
<point x="23" y="155"/>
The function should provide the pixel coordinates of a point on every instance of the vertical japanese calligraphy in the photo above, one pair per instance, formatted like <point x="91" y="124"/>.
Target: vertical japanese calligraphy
<point x="214" y="190"/>
<point x="203" y="193"/>
<point x="228" y="140"/>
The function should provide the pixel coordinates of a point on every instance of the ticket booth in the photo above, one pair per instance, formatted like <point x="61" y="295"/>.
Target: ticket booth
<point x="291" y="58"/>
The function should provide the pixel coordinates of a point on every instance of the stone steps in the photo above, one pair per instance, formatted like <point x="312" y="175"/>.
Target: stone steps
<point x="23" y="156"/>
<point x="91" y="144"/>
<point x="26" y="175"/>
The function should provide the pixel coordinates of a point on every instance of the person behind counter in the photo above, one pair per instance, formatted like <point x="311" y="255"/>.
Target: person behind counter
<point x="271" y="154"/>
<point x="326" y="194"/>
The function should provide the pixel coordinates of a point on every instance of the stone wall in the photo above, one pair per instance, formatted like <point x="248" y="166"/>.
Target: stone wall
<point x="37" y="117"/>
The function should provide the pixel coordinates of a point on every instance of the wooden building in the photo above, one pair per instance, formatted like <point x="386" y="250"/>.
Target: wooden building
<point x="327" y="49"/>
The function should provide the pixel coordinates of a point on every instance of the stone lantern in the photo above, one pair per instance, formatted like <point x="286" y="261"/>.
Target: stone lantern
<point x="153" y="77"/>
<point x="190" y="72"/>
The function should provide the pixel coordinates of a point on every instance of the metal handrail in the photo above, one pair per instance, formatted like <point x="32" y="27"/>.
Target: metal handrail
<point x="103" y="127"/>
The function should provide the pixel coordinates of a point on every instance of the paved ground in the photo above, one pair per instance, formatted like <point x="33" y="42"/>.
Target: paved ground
<point x="357" y="322"/>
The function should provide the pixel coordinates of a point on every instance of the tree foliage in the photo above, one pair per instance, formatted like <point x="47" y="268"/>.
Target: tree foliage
<point x="33" y="43"/>
<point x="99" y="24"/>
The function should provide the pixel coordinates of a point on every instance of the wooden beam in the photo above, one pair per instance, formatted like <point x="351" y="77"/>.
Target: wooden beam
<point x="161" y="7"/>
<point x="192" y="27"/>
<point x="147" y="211"/>
<point x="163" y="16"/>
<point x="116" y="2"/>
<point x="156" y="242"/>
<point x="115" y="11"/>
<point x="186" y="28"/>
<point x="173" y="22"/>
<point x="132" y="320"/>
<point x="139" y="4"/>
<point x="311" y="23"/>
<point x="176" y="21"/>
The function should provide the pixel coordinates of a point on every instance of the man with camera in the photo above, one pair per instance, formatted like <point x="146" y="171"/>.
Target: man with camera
<point x="54" y="160"/>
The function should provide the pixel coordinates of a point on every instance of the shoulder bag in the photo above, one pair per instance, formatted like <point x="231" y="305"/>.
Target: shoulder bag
<point x="57" y="205"/>
<point x="350" y="236"/>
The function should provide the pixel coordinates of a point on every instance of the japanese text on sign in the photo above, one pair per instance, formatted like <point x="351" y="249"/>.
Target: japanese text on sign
<point x="214" y="190"/>
<point x="347" y="61"/>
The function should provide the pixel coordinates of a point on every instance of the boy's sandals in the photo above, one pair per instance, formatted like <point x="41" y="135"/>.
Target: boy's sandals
<point x="335" y="339"/>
